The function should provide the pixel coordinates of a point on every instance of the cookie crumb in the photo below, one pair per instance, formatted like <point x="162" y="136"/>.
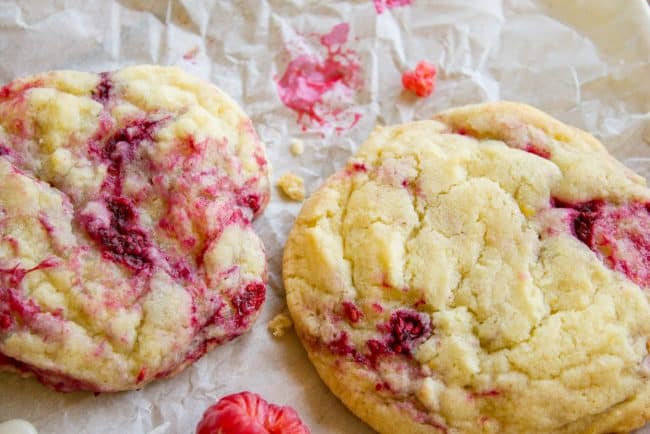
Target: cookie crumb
<point x="297" y="147"/>
<point x="292" y="186"/>
<point x="279" y="325"/>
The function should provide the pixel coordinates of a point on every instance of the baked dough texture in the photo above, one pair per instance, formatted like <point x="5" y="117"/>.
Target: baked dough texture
<point x="487" y="271"/>
<point x="126" y="249"/>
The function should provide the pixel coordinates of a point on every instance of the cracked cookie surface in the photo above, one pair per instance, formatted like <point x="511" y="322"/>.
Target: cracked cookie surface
<point x="126" y="246"/>
<point x="483" y="272"/>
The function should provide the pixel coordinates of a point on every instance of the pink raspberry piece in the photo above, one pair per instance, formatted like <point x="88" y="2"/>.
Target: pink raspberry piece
<point x="422" y="80"/>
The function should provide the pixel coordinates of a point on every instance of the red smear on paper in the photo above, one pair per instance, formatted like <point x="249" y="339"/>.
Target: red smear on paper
<point x="381" y="5"/>
<point x="191" y="54"/>
<point x="319" y="88"/>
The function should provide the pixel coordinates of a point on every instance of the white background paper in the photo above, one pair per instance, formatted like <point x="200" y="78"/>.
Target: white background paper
<point x="583" y="61"/>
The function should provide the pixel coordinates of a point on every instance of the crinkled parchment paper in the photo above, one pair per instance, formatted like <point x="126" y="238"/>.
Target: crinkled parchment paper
<point x="583" y="61"/>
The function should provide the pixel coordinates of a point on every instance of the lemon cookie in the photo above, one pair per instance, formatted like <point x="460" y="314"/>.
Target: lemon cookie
<point x="126" y="247"/>
<point x="483" y="272"/>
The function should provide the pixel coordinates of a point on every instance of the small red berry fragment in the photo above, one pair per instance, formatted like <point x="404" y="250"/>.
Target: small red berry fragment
<point x="421" y="81"/>
<point x="352" y="312"/>
<point x="249" y="413"/>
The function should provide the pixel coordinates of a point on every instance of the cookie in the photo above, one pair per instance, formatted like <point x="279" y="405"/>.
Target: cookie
<point x="483" y="272"/>
<point x="126" y="246"/>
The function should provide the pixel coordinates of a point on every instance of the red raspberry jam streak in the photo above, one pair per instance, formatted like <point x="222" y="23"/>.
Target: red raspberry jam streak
<point x="122" y="241"/>
<point x="252" y="201"/>
<point x="102" y="92"/>
<point x="538" y="150"/>
<point x="618" y="234"/>
<point x="119" y="150"/>
<point x="248" y="301"/>
<point x="309" y="77"/>
<point x="420" y="81"/>
<point x="13" y="90"/>
<point x="12" y="305"/>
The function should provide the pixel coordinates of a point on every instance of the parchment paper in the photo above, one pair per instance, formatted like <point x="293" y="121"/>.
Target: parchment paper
<point x="585" y="62"/>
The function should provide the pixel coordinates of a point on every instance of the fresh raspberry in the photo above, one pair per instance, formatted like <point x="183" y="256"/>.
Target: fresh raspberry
<point x="421" y="81"/>
<point x="249" y="413"/>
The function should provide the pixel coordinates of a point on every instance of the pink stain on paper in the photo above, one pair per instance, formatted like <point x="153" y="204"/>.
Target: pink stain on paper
<point x="320" y="89"/>
<point x="190" y="55"/>
<point x="381" y="5"/>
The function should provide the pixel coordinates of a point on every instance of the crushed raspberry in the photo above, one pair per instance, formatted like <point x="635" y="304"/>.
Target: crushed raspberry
<point x="359" y="167"/>
<point x="618" y="234"/>
<point x="180" y="270"/>
<point x="251" y="201"/>
<point x="352" y="312"/>
<point x="249" y="301"/>
<point x="6" y="321"/>
<point x="421" y="81"/>
<point x="402" y="332"/>
<point x="583" y="222"/>
<point x="341" y="345"/>
<point x="406" y="327"/>
<point x="122" y="241"/>
<point x="249" y="413"/>
<point x="119" y="149"/>
<point x="4" y="150"/>
<point x="102" y="92"/>
<point x="376" y="350"/>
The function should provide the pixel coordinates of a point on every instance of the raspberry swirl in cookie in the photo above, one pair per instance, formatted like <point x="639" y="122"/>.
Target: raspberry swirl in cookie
<point x="126" y="247"/>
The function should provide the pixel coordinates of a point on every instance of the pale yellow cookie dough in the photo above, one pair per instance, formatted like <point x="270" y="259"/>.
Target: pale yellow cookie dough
<point x="484" y="272"/>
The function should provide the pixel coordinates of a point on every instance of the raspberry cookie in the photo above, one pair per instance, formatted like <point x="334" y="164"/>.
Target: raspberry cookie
<point x="484" y="272"/>
<point x="126" y="247"/>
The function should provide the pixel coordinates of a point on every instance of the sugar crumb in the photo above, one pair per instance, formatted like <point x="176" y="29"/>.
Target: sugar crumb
<point x="297" y="147"/>
<point x="292" y="186"/>
<point x="279" y="325"/>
